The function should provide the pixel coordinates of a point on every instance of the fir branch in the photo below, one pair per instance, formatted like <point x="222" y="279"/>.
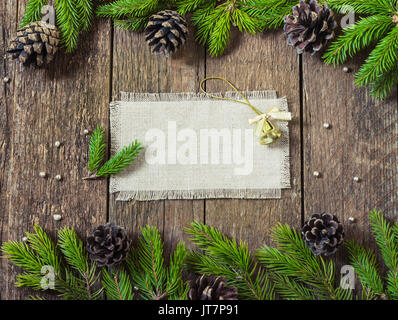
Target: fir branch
<point x="385" y="238"/>
<point x="41" y="251"/>
<point x="187" y="6"/>
<point x="76" y="257"/>
<point x="224" y="257"/>
<point x="363" y="7"/>
<point x="388" y="244"/>
<point x="117" y="285"/>
<point x="69" y="23"/>
<point x="121" y="160"/>
<point x="294" y="259"/>
<point x="146" y="265"/>
<point x="130" y="8"/>
<point x="132" y="24"/>
<point x="220" y="34"/>
<point x="381" y="60"/>
<point x="364" y="33"/>
<point x="177" y="289"/>
<point x="45" y="248"/>
<point x="270" y="13"/>
<point x="382" y="86"/>
<point x="291" y="290"/>
<point x="29" y="280"/>
<point x="22" y="256"/>
<point x="97" y="149"/>
<point x="85" y="11"/>
<point x="72" y="248"/>
<point x="204" y="19"/>
<point x="244" y="22"/>
<point x="33" y="11"/>
<point x="365" y="266"/>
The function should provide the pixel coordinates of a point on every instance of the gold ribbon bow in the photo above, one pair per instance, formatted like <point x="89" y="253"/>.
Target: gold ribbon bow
<point x="265" y="129"/>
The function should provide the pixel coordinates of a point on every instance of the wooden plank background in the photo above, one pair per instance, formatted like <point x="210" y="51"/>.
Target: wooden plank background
<point x="39" y="107"/>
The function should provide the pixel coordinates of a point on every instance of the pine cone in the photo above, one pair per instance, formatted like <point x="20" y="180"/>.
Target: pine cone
<point x="166" y="32"/>
<point x="109" y="245"/>
<point x="211" y="288"/>
<point x="323" y="233"/>
<point x="310" y="27"/>
<point x="35" y="44"/>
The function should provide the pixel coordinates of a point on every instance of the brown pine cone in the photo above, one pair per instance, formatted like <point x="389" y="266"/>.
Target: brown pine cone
<point x="166" y="32"/>
<point x="211" y="288"/>
<point x="323" y="233"/>
<point x="310" y="26"/>
<point x="109" y="245"/>
<point x="35" y="44"/>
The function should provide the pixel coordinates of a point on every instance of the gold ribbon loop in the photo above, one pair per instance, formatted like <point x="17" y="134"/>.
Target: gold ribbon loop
<point x="265" y="129"/>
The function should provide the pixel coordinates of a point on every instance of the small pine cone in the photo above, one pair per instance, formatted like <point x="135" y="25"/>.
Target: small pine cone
<point x="211" y="288"/>
<point x="323" y="233"/>
<point x="109" y="245"/>
<point x="166" y="32"/>
<point x="310" y="26"/>
<point x="35" y="44"/>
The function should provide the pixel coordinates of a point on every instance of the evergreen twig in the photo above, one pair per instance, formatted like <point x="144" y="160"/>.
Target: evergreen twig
<point x="299" y="272"/>
<point x="73" y="16"/>
<point x="97" y="149"/>
<point x="33" y="11"/>
<point x="226" y="258"/>
<point x="40" y="251"/>
<point x="379" y="70"/>
<point x="115" y="164"/>
<point x="117" y="285"/>
<point x="147" y="267"/>
<point x="364" y="261"/>
<point x="121" y="160"/>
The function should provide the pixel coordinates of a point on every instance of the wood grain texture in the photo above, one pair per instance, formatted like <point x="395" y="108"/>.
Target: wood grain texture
<point x="8" y="11"/>
<point x="136" y="69"/>
<point x="255" y="63"/>
<point x="362" y="141"/>
<point x="41" y="106"/>
<point x="56" y="103"/>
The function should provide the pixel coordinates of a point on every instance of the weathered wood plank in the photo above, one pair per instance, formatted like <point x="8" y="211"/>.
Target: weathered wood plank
<point x="362" y="141"/>
<point x="136" y="69"/>
<point x="50" y="104"/>
<point x="255" y="63"/>
<point x="7" y="17"/>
